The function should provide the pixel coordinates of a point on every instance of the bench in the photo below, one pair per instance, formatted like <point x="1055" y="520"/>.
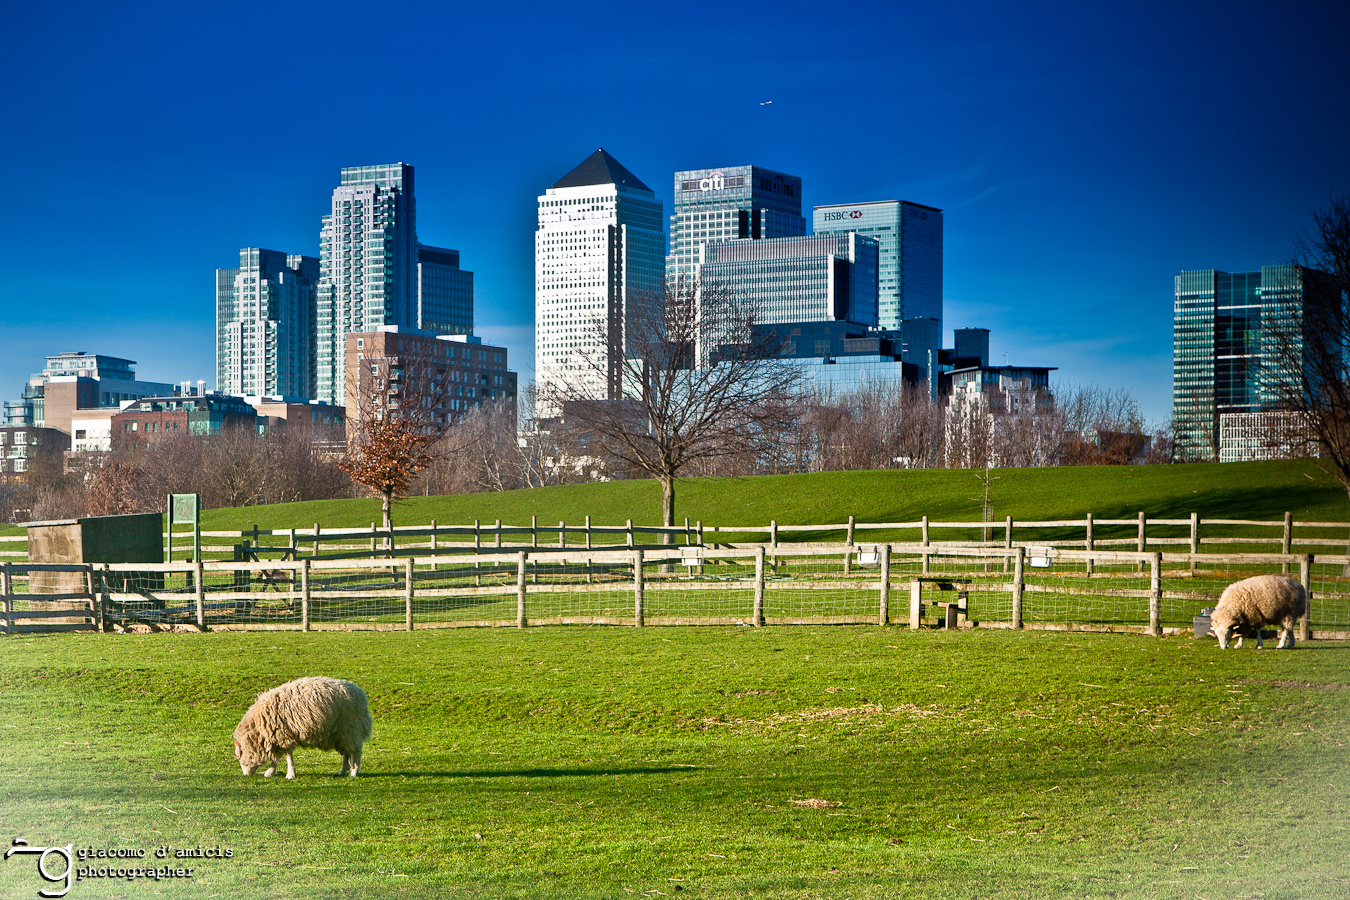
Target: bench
<point x="953" y="609"/>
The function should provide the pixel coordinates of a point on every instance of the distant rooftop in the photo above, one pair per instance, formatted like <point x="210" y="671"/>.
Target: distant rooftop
<point x="600" y="168"/>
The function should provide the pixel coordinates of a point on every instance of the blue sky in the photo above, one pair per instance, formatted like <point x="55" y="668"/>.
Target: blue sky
<point x="1082" y="156"/>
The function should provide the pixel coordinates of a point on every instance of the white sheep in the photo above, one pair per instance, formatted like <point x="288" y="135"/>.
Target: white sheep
<point x="318" y="712"/>
<point x="1252" y="603"/>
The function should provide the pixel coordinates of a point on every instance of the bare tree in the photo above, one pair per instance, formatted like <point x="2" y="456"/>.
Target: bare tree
<point x="1306" y="339"/>
<point x="694" y="377"/>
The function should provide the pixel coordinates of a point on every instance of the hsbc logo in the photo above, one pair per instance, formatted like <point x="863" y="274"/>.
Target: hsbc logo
<point x="840" y="215"/>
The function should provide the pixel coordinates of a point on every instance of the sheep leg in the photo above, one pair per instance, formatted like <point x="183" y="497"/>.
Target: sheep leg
<point x="355" y="760"/>
<point x="290" y="767"/>
<point x="1260" y="642"/>
<point x="271" y="770"/>
<point x="346" y="763"/>
<point x="1286" y="639"/>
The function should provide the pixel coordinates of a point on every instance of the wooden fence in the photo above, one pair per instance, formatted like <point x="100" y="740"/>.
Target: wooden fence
<point x="1140" y="534"/>
<point x="1046" y="587"/>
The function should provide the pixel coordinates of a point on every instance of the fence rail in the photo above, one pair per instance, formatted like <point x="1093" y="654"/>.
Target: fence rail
<point x="1140" y="534"/>
<point x="1054" y="588"/>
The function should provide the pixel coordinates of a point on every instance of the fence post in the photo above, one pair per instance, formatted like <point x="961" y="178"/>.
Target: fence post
<point x="95" y="606"/>
<point x="588" y="532"/>
<point x="915" y="601"/>
<point x="104" y="603"/>
<point x="1195" y="535"/>
<point x="434" y="544"/>
<point x="534" y="532"/>
<point x="304" y="596"/>
<point x="773" y="542"/>
<point x="499" y="534"/>
<point x="923" y="531"/>
<point x="520" y="589"/>
<point x="757" y="618"/>
<point x="1155" y="595"/>
<point x="884" y="612"/>
<point x="316" y="538"/>
<point x="5" y="588"/>
<point x="1305" y="579"/>
<point x="1089" y="544"/>
<point x="477" y="551"/>
<point x="630" y="532"/>
<point x="1143" y="536"/>
<point x="374" y="536"/>
<point x="408" y="594"/>
<point x="562" y="534"/>
<point x="199" y="569"/>
<point x="1007" y="542"/>
<point x="1287" y="543"/>
<point x="687" y="535"/>
<point x="848" y="551"/>
<point x="637" y="586"/>
<point x="1019" y="573"/>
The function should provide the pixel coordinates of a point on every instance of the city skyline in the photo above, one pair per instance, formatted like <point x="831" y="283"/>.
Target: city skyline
<point x="1081" y="158"/>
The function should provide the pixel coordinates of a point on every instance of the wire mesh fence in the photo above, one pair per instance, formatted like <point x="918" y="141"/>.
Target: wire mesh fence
<point x="924" y="585"/>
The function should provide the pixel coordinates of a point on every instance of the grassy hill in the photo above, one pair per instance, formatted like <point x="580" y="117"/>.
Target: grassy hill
<point x="1235" y="490"/>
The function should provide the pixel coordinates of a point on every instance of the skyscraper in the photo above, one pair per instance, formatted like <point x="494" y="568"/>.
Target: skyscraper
<point x="816" y="278"/>
<point x="729" y="204"/>
<point x="265" y="324"/>
<point x="598" y="245"/>
<point x="368" y="273"/>
<point x="1222" y="358"/>
<point x="910" y="265"/>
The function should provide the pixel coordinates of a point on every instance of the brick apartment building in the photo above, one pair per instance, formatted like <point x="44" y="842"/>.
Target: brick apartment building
<point x="445" y="377"/>
<point x="150" y="418"/>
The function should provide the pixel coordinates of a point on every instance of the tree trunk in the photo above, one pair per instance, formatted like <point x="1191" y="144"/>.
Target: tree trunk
<point x="667" y="507"/>
<point x="386" y="508"/>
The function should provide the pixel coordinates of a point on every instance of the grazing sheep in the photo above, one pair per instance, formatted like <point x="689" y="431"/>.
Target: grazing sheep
<point x="324" y="713"/>
<point x="1252" y="603"/>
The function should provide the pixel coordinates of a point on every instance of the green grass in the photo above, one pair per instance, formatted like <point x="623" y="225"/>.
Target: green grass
<point x="1235" y="490"/>
<point x="620" y="762"/>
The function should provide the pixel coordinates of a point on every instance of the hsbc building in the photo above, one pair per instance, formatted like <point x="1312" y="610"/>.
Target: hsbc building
<point x="909" y="268"/>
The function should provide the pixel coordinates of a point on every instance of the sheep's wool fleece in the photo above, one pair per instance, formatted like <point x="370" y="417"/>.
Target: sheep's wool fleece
<point x="318" y="712"/>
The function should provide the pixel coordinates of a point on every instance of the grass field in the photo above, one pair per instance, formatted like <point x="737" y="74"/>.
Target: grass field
<point x="1233" y="490"/>
<point x="804" y="762"/>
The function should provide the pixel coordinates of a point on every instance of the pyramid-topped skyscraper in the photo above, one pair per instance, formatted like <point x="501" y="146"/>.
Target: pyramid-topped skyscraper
<point x="599" y="243"/>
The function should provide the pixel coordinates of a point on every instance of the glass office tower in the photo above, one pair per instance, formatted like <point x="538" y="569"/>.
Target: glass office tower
<point x="909" y="236"/>
<point x="1221" y="362"/>
<point x="740" y="202"/>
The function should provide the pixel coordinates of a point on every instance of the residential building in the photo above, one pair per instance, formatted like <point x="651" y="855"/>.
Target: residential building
<point x="736" y="203"/>
<point x="909" y="242"/>
<point x="1221" y="357"/>
<point x="265" y="321"/>
<point x="598" y="246"/>
<point x="374" y="273"/>
<point x="73" y="383"/>
<point x="22" y="446"/>
<point x="443" y="376"/>
<point x="150" y="418"/>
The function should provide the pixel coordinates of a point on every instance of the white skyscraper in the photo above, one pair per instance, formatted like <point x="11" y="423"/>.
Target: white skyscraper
<point x="599" y="243"/>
